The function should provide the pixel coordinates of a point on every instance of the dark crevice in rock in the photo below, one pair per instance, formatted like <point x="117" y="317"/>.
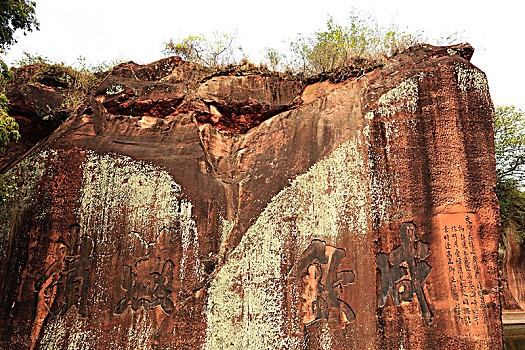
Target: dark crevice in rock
<point x="358" y="67"/>
<point x="150" y="108"/>
<point x="239" y="118"/>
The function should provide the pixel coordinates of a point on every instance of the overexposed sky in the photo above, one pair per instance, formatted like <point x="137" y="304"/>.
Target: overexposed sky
<point x="136" y="30"/>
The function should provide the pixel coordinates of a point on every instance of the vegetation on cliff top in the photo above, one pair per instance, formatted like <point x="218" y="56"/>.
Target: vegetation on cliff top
<point x="326" y="50"/>
<point x="336" y="52"/>
<point x="75" y="81"/>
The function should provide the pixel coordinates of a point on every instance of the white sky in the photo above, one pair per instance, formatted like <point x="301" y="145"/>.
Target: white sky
<point x="136" y="30"/>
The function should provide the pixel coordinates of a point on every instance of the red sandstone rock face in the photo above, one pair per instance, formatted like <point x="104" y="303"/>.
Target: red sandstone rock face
<point x="247" y="212"/>
<point x="38" y="107"/>
<point x="513" y="278"/>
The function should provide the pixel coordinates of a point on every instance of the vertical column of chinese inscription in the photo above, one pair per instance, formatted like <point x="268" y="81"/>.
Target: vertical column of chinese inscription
<point x="463" y="268"/>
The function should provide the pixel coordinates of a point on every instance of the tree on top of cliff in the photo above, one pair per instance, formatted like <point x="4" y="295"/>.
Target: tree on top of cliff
<point x="360" y="39"/>
<point x="15" y="14"/>
<point x="333" y="47"/>
<point x="216" y="51"/>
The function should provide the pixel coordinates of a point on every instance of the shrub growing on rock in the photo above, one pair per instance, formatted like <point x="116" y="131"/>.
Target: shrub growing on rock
<point x="216" y="51"/>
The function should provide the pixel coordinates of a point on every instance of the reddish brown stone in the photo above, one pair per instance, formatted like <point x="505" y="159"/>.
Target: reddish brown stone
<point x="36" y="101"/>
<point x="186" y="210"/>
<point x="513" y="296"/>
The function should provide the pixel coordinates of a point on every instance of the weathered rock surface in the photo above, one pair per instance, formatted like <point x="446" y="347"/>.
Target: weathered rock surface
<point x="513" y="274"/>
<point x="180" y="210"/>
<point x="37" y="98"/>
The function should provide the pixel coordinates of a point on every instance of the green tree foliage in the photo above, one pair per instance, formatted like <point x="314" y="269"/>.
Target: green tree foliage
<point x="512" y="207"/>
<point x="8" y="132"/>
<point x="8" y="125"/>
<point x="509" y="139"/>
<point x="218" y="50"/>
<point x="334" y="46"/>
<point x="509" y="142"/>
<point x="15" y="14"/>
<point x="361" y="38"/>
<point x="274" y="58"/>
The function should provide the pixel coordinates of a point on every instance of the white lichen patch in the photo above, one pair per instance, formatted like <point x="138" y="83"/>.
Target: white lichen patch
<point x="120" y="195"/>
<point x="226" y="229"/>
<point x="120" y="199"/>
<point x="369" y="115"/>
<point x="141" y="332"/>
<point x="119" y="191"/>
<point x="114" y="89"/>
<point x="190" y="243"/>
<point x="470" y="78"/>
<point x="54" y="335"/>
<point x="78" y="336"/>
<point x="403" y="97"/>
<point x="247" y="297"/>
<point x="325" y="340"/>
<point x="27" y="174"/>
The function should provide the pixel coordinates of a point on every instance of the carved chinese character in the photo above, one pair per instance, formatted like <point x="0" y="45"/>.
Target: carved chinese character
<point x="149" y="281"/>
<point x="66" y="279"/>
<point x="323" y="284"/>
<point x="455" y="294"/>
<point x="147" y="290"/>
<point x="404" y="271"/>
<point x="462" y="285"/>
<point x="457" y="310"/>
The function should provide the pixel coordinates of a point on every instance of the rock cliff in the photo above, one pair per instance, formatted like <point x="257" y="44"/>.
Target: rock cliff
<point x="249" y="210"/>
<point x="512" y="274"/>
